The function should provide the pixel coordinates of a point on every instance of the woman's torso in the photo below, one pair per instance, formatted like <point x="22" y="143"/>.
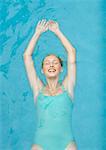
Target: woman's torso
<point x="54" y="120"/>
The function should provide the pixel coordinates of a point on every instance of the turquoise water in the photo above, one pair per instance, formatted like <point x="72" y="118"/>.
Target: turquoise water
<point x="82" y="22"/>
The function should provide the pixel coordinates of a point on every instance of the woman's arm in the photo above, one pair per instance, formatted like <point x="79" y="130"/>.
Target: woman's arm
<point x="42" y="26"/>
<point x="34" y="81"/>
<point x="54" y="27"/>
<point x="69" y="81"/>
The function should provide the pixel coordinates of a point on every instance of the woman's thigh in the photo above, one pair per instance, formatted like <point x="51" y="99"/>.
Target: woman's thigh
<point x="71" y="146"/>
<point x="36" y="147"/>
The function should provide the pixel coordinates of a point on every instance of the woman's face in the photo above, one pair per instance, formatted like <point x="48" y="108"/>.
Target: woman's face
<point x="51" y="66"/>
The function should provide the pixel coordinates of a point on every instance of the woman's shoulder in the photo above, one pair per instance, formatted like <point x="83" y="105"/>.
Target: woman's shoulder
<point x="43" y="90"/>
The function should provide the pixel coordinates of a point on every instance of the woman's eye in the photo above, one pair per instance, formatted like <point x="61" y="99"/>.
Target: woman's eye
<point x="46" y="63"/>
<point x="56" y="62"/>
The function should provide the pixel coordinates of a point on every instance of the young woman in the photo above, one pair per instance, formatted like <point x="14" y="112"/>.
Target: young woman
<point x="54" y="102"/>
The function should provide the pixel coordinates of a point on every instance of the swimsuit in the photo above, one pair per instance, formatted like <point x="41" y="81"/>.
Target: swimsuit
<point x="54" y="121"/>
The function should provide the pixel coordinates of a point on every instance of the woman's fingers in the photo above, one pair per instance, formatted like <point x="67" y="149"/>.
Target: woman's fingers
<point x="39" y="22"/>
<point x="53" y="26"/>
<point x="43" y="22"/>
<point x="46" y="25"/>
<point x="43" y="25"/>
<point x="52" y="23"/>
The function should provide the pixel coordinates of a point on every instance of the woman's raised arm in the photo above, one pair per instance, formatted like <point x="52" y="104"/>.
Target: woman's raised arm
<point x="69" y="81"/>
<point x="34" y="81"/>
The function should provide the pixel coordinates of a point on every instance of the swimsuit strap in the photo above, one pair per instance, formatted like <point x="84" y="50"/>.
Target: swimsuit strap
<point x="41" y="90"/>
<point x="63" y="88"/>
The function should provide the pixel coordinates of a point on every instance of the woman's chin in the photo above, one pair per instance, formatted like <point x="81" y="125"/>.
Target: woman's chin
<point x="52" y="75"/>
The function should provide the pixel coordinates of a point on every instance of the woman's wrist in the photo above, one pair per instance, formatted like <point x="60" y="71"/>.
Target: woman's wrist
<point x="58" y="32"/>
<point x="37" y="34"/>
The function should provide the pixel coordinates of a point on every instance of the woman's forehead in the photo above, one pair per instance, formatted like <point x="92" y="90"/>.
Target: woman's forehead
<point x="51" y="57"/>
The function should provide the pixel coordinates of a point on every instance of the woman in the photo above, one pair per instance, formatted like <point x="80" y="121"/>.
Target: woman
<point x="54" y="101"/>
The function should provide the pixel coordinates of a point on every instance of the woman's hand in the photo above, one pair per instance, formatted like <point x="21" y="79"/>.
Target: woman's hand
<point x="42" y="26"/>
<point x="53" y="26"/>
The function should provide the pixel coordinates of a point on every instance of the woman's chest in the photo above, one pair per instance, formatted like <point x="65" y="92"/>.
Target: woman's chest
<point x="54" y="106"/>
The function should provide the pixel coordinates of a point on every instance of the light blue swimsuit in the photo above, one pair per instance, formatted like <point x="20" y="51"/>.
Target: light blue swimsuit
<point x="54" y="121"/>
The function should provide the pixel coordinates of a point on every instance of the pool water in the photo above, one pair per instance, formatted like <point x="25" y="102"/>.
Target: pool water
<point x="83" y="24"/>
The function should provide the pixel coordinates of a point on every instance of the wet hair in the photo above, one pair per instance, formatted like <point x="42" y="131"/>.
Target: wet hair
<point x="60" y="60"/>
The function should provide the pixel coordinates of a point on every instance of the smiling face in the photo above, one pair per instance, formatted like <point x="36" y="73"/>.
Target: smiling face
<point x="51" y="66"/>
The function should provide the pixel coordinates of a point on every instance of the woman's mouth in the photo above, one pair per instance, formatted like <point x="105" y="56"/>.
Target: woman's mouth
<point x="51" y="70"/>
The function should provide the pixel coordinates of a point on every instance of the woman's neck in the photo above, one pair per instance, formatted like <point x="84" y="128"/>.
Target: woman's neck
<point x="52" y="83"/>
<point x="53" y="89"/>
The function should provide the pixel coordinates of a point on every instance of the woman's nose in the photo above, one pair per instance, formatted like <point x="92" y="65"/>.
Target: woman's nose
<point x="51" y="64"/>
